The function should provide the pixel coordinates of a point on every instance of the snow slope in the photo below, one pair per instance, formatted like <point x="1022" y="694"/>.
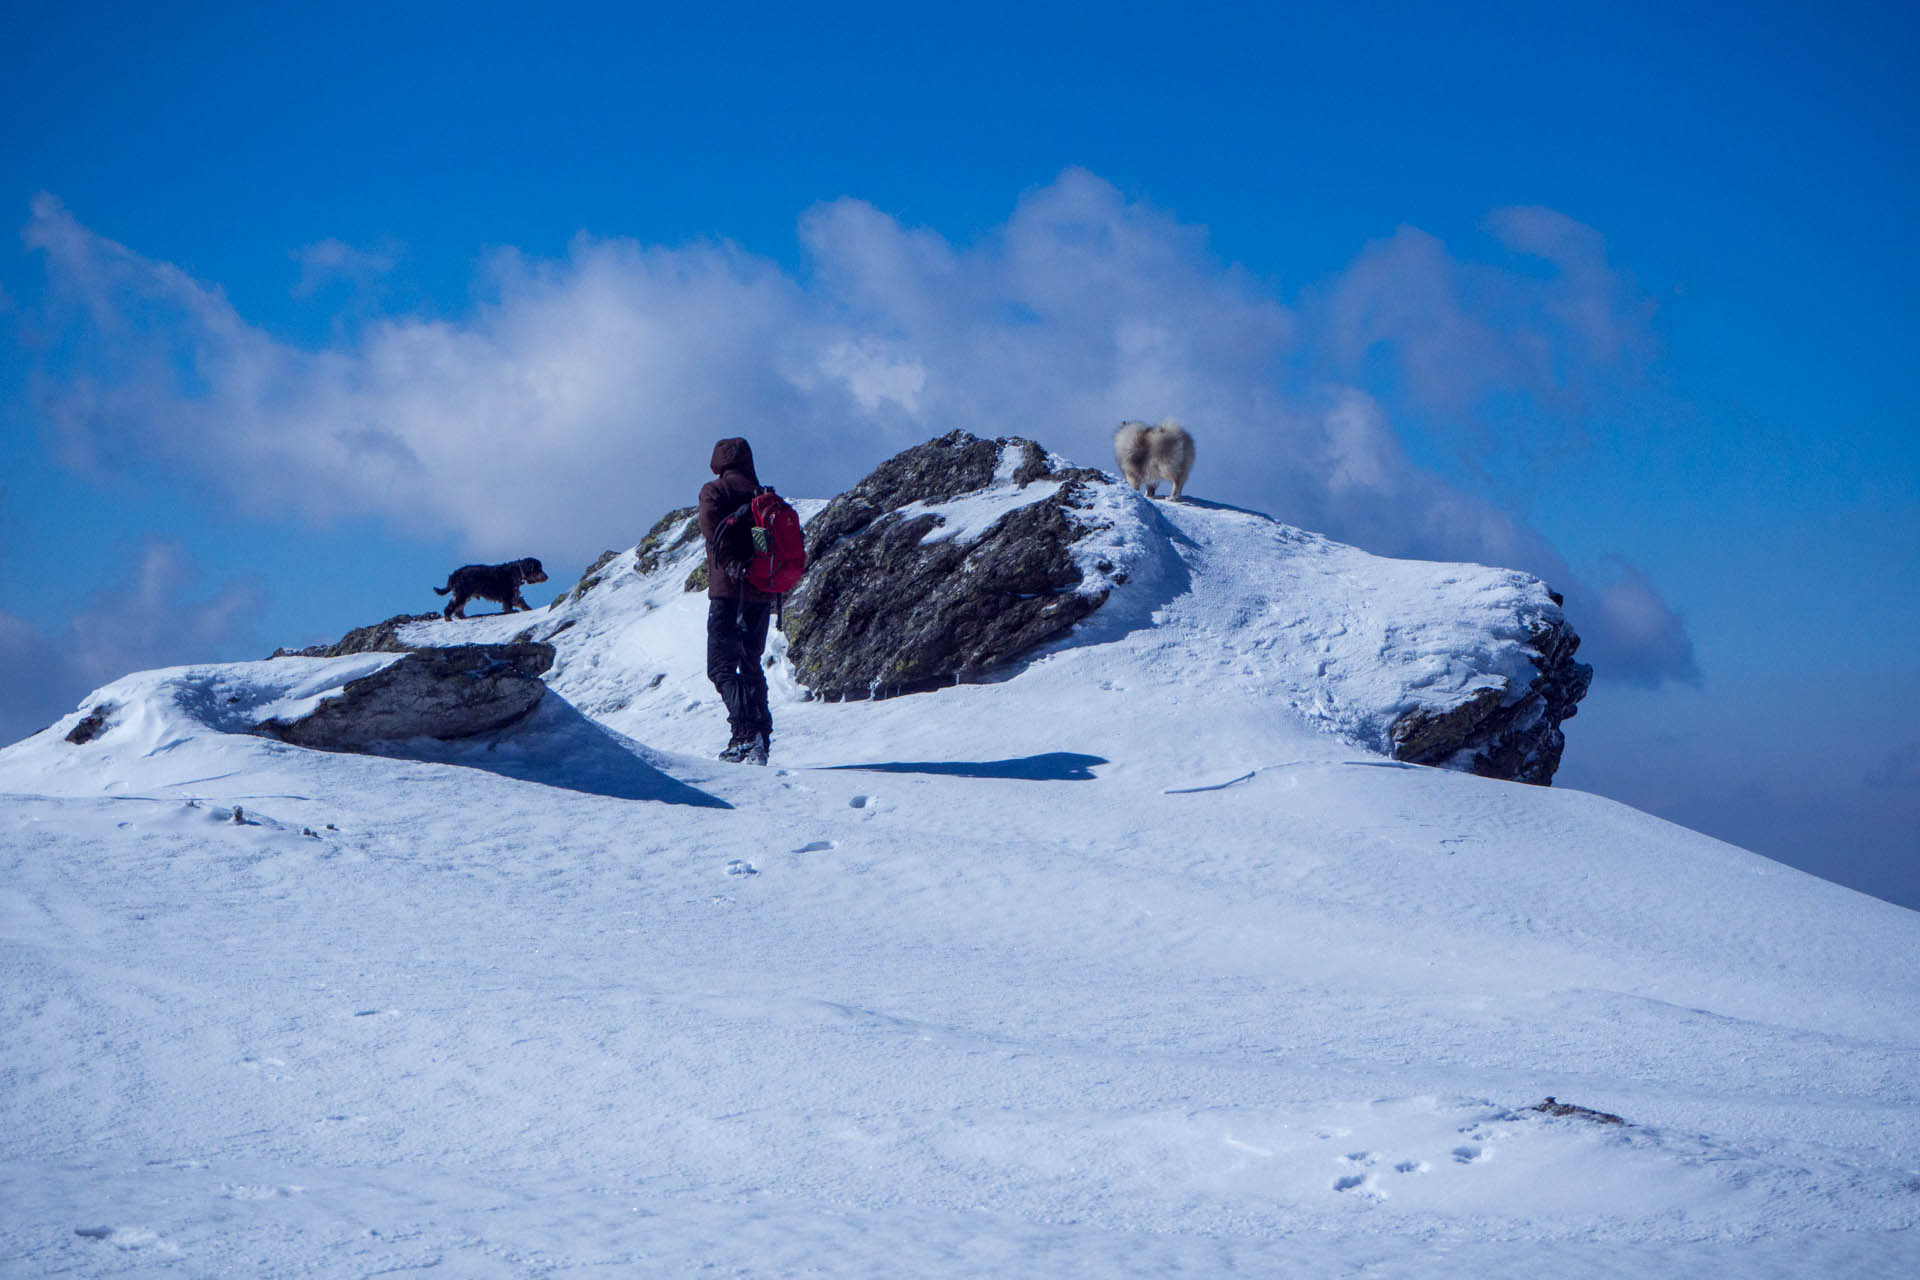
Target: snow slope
<point x="1138" y="963"/>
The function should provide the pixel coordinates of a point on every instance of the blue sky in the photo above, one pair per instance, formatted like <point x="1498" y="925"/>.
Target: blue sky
<point x="305" y="310"/>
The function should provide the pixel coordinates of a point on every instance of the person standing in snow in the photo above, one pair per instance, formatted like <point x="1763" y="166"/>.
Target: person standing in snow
<point x="737" y="614"/>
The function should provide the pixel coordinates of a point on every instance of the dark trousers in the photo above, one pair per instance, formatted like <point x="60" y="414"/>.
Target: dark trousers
<point x="736" y="639"/>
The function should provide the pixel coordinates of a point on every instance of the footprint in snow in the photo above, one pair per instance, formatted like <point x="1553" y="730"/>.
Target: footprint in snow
<point x="232" y="1191"/>
<point x="860" y="802"/>
<point x="1361" y="1182"/>
<point x="128" y="1238"/>
<point x="815" y="846"/>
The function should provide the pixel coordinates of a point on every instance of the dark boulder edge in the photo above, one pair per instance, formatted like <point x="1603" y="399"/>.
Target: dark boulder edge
<point x="92" y="724"/>
<point x="459" y="691"/>
<point x="882" y="613"/>
<point x="1503" y="736"/>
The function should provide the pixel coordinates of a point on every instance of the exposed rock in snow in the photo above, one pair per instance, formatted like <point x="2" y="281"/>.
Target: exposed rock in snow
<point x="676" y="529"/>
<point x="1497" y="735"/>
<point x="380" y="637"/>
<point x="951" y="561"/>
<point x="445" y="693"/>
<point x="91" y="724"/>
<point x="1562" y="1110"/>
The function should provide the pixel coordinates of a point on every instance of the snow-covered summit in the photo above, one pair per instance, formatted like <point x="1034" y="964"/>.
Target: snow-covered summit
<point x="1202" y="605"/>
<point x="1144" y="959"/>
<point x="1454" y="664"/>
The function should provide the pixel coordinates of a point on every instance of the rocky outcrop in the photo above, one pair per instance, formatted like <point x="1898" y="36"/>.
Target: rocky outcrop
<point x="454" y="692"/>
<point x="670" y="532"/>
<point x="380" y="637"/>
<point x="889" y="606"/>
<point x="1497" y="734"/>
<point x="91" y="725"/>
<point x="963" y="559"/>
<point x="588" y="580"/>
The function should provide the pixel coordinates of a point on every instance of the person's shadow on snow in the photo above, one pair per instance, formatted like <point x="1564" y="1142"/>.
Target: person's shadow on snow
<point x="1048" y="766"/>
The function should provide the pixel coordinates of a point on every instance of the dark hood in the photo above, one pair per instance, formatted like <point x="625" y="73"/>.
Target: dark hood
<point x="733" y="454"/>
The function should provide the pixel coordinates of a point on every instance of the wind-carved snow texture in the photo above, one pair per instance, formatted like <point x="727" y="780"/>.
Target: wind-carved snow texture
<point x="1120" y="967"/>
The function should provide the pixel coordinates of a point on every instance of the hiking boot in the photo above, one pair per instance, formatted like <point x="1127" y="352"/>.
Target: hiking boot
<point x="755" y="750"/>
<point x="736" y="750"/>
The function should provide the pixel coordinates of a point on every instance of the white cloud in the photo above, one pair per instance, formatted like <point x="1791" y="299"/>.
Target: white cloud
<point x="331" y="261"/>
<point x="580" y="397"/>
<point x="1588" y="302"/>
<point x="1634" y="634"/>
<point x="873" y="375"/>
<point x="1458" y="331"/>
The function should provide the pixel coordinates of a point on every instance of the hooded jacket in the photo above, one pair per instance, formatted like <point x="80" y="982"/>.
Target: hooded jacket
<point x="733" y="485"/>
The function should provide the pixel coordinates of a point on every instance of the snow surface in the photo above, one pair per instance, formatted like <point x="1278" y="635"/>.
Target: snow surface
<point x="1143" y="962"/>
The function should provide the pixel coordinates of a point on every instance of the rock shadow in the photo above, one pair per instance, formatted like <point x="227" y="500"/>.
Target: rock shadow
<point x="554" y="745"/>
<point x="1207" y="504"/>
<point x="1048" y="766"/>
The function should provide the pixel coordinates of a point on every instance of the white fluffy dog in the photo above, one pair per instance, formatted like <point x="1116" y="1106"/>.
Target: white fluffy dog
<point x="1147" y="455"/>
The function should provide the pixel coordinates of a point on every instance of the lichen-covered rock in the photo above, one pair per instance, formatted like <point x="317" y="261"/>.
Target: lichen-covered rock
<point x="588" y="580"/>
<point x="380" y="637"/>
<point x="895" y="601"/>
<point x="1497" y="734"/>
<point x="454" y="692"/>
<point x="670" y="532"/>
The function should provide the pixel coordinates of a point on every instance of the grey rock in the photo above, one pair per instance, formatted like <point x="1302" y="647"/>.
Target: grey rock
<point x="454" y="692"/>
<point x="381" y="637"/>
<point x="1554" y="1107"/>
<point x="670" y="532"/>
<point x="91" y="725"/>
<point x="1497" y="734"/>
<point x="588" y="580"/>
<point x="881" y="613"/>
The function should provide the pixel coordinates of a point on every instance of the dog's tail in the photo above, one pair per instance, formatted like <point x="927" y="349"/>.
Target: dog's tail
<point x="443" y="591"/>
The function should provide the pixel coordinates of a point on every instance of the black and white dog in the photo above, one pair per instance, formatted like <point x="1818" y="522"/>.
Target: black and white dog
<point x="500" y="582"/>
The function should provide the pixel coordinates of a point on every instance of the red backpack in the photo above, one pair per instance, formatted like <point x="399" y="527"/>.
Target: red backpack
<point x="766" y="547"/>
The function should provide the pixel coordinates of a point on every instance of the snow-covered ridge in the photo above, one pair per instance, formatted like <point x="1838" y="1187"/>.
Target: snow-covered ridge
<point x="151" y="713"/>
<point x="1132" y="963"/>
<point x="1355" y="644"/>
<point x="1289" y="623"/>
